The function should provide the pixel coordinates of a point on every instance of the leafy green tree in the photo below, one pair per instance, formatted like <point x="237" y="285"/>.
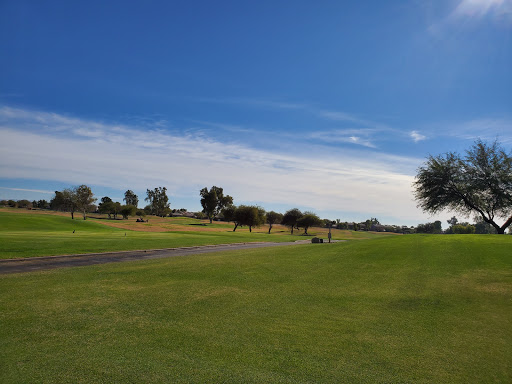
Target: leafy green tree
<point x="480" y="182"/>
<point x="369" y="225"/>
<point x="341" y="225"/>
<point x="109" y="207"/>
<point x="484" y="228"/>
<point x="158" y="201"/>
<point x="309" y="219"/>
<point x="83" y="198"/>
<point x="65" y="201"/>
<point x="131" y="198"/>
<point x="24" y="204"/>
<point x="228" y="213"/>
<point x="463" y="228"/>
<point x="128" y="210"/>
<point x="41" y="204"/>
<point x="116" y="209"/>
<point x="328" y="223"/>
<point x="249" y="215"/>
<point x="273" y="218"/>
<point x="434" y="227"/>
<point x="453" y="221"/>
<point x="106" y="206"/>
<point x="57" y="201"/>
<point x="213" y="201"/>
<point x="291" y="218"/>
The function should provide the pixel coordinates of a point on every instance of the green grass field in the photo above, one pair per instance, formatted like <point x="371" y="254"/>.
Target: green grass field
<point x="401" y="309"/>
<point x="29" y="234"/>
<point x="25" y="235"/>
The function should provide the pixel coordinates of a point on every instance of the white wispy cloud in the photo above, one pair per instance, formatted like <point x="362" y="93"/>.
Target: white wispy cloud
<point x="365" y="134"/>
<point x="472" y="11"/>
<point x="487" y="129"/>
<point x="353" y="136"/>
<point x="416" y="136"/>
<point x="29" y="190"/>
<point x="477" y="9"/>
<point x="338" y="116"/>
<point x="342" y="116"/>
<point x="225" y="127"/>
<point x="258" y="103"/>
<point x="47" y="146"/>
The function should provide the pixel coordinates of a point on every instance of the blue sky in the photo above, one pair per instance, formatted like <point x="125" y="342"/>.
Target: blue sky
<point x="326" y="106"/>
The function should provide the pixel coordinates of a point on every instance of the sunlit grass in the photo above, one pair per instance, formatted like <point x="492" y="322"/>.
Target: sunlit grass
<point x="415" y="309"/>
<point x="29" y="234"/>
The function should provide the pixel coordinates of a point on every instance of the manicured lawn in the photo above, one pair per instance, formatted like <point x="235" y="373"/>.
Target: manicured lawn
<point x="29" y="234"/>
<point x="401" y="309"/>
<point x="25" y="235"/>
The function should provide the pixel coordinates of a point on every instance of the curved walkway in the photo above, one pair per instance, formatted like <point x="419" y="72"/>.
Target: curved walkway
<point x="30" y="264"/>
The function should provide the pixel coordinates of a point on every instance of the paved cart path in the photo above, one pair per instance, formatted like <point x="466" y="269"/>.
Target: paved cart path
<point x="30" y="264"/>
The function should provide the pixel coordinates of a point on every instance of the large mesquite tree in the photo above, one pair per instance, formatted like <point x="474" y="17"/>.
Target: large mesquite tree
<point x="213" y="201"/>
<point x="291" y="218"/>
<point x="478" y="183"/>
<point x="309" y="219"/>
<point x="273" y="218"/>
<point x="248" y="215"/>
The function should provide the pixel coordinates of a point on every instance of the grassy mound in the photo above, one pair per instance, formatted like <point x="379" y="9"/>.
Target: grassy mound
<point x="32" y="233"/>
<point x="422" y="309"/>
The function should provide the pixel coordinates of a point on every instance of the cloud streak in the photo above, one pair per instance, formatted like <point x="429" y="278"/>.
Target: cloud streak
<point x="477" y="9"/>
<point x="472" y="11"/>
<point x="352" y="136"/>
<point x="417" y="137"/>
<point x="487" y="129"/>
<point x="353" y="129"/>
<point x="29" y="190"/>
<point x="46" y="146"/>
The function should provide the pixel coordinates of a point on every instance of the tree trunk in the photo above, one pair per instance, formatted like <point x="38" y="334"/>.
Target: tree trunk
<point x="505" y="226"/>
<point x="292" y="229"/>
<point x="72" y="215"/>
<point x="236" y="225"/>
<point x="211" y="219"/>
<point x="269" y="229"/>
<point x="305" y="230"/>
<point x="250" y="228"/>
<point x="499" y="230"/>
<point x="84" y="215"/>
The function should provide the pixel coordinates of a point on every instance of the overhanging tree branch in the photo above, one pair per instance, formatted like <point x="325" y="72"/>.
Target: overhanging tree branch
<point x="480" y="182"/>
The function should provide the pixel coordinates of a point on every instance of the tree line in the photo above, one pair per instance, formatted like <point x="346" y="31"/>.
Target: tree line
<point x="215" y="203"/>
<point x="457" y="228"/>
<point x="81" y="199"/>
<point x="478" y="183"/>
